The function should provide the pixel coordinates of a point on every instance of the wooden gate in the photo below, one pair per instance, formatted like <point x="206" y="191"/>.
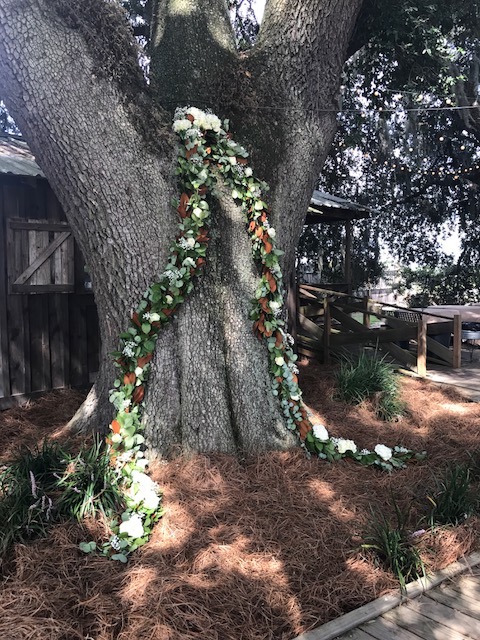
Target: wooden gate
<point x="49" y="336"/>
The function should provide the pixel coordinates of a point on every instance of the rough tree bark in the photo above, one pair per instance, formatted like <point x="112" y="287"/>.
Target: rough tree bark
<point x="70" y="78"/>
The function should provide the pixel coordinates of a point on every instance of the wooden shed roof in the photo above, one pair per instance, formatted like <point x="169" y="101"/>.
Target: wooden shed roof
<point x="327" y="208"/>
<point x="16" y="158"/>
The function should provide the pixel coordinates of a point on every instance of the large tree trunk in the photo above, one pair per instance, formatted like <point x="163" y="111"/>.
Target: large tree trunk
<point x="99" y="133"/>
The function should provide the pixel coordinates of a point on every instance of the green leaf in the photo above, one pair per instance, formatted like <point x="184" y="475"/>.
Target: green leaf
<point x="121" y="557"/>
<point x="146" y="327"/>
<point x="87" y="547"/>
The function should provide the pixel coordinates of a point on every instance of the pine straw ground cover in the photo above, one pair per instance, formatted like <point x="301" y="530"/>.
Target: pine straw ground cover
<point x="255" y="549"/>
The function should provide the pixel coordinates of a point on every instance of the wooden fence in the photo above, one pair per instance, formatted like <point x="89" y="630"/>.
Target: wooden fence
<point x="326" y="328"/>
<point x="48" y="320"/>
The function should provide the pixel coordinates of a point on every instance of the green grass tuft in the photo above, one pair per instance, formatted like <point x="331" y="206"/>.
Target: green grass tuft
<point x="452" y="499"/>
<point x="370" y="377"/>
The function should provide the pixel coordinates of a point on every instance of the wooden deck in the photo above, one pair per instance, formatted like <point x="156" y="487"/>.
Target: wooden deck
<point x="448" y="611"/>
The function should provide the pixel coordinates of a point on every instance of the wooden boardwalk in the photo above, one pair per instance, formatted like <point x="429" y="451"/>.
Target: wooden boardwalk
<point x="448" y="608"/>
<point x="451" y="611"/>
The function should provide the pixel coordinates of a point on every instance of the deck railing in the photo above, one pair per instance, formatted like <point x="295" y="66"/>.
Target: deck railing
<point x="327" y="328"/>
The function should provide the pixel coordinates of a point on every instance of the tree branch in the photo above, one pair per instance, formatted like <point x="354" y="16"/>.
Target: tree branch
<point x="193" y="52"/>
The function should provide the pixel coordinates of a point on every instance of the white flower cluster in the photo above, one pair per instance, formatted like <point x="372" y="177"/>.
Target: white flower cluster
<point x="143" y="491"/>
<point x="151" y="317"/>
<point x="129" y="349"/>
<point x="383" y="452"/>
<point x="343" y="445"/>
<point x="187" y="243"/>
<point x="320" y="432"/>
<point x="201" y="120"/>
<point x="133" y="526"/>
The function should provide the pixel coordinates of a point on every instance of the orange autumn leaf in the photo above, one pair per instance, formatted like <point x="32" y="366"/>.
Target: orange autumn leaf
<point x="268" y="247"/>
<point x="259" y="232"/>
<point x="208" y="150"/>
<point x="138" y="394"/>
<point x="141" y="362"/>
<point x="190" y="117"/>
<point x="190" y="152"/>
<point x="251" y="226"/>
<point x="115" y="426"/>
<point x="295" y="378"/>
<point x="129" y="378"/>
<point x="279" y="339"/>
<point x="242" y="161"/>
<point x="136" y="319"/>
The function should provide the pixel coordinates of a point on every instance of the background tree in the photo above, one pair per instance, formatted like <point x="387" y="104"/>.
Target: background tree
<point x="407" y="143"/>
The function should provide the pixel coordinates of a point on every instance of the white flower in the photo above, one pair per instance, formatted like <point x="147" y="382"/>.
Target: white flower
<point x="279" y="360"/>
<point x="197" y="211"/>
<point x="144" y="481"/>
<point x="346" y="445"/>
<point x="274" y="305"/>
<point x="181" y="125"/>
<point x="116" y="438"/>
<point x="133" y="527"/>
<point x="248" y="172"/>
<point x="197" y="114"/>
<point x="320" y="432"/>
<point x="232" y="160"/>
<point x="384" y="452"/>
<point x="126" y="403"/>
<point x="168" y="299"/>
<point x="129" y="349"/>
<point x="151" y="500"/>
<point x="271" y="232"/>
<point x="138" y="371"/>
<point x="151" y="317"/>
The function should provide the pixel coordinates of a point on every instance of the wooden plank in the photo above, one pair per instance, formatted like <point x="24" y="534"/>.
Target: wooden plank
<point x="43" y="288"/>
<point x="373" y="336"/>
<point x="310" y="328"/>
<point x="439" y="350"/>
<point x="44" y="255"/>
<point x="38" y="225"/>
<point x="422" y="348"/>
<point x="327" y="331"/>
<point x="403" y="356"/>
<point x="59" y="341"/>
<point x="468" y="586"/>
<point x="457" y="341"/>
<point x="4" y="350"/>
<point x="78" y="342"/>
<point x="38" y="242"/>
<point x="419" y="624"/>
<point x="19" y="344"/>
<point x="39" y="341"/>
<point x="382" y="629"/>
<point x="357" y="634"/>
<point x="456" y="600"/>
<point x="312" y="310"/>
<point x="440" y="613"/>
<point x="93" y="341"/>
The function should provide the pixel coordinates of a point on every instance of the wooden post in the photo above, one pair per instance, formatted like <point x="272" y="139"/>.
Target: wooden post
<point x="422" y="347"/>
<point x="347" y="268"/>
<point x="366" y="315"/>
<point x="457" y="341"/>
<point x="327" y="327"/>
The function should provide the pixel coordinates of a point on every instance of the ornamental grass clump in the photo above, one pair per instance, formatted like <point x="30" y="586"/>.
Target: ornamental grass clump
<point x="393" y="545"/>
<point x="27" y="494"/>
<point x="89" y="485"/>
<point x="452" y="499"/>
<point x="370" y="377"/>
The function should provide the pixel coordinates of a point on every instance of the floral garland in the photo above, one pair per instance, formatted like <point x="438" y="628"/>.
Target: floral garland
<point x="208" y="150"/>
